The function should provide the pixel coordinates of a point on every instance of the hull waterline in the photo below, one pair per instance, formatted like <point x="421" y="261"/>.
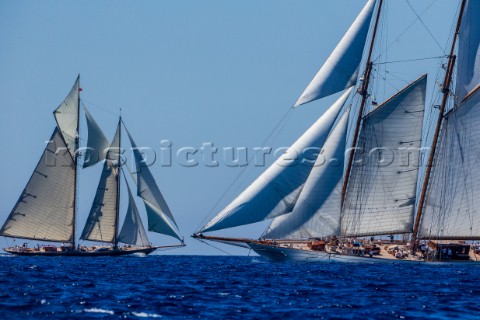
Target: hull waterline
<point x="79" y="253"/>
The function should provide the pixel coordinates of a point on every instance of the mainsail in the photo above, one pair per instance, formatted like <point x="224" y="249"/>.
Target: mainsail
<point x="276" y="190"/>
<point x="160" y="219"/>
<point x="132" y="231"/>
<point x="97" y="143"/>
<point x="452" y="203"/>
<point x="381" y="191"/>
<point x="341" y="68"/>
<point x="45" y="209"/>
<point x="321" y="186"/>
<point x="102" y="219"/>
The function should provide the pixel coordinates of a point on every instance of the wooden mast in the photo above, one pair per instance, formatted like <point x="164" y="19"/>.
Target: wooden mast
<point x="77" y="141"/>
<point x="446" y="93"/>
<point x="117" y="178"/>
<point x="364" y="93"/>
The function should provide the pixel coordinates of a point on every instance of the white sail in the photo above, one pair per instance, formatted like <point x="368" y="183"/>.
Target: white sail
<point x="380" y="196"/>
<point x="102" y="219"/>
<point x="276" y="190"/>
<point x="45" y="208"/>
<point x="66" y="116"/>
<point x="468" y="66"/>
<point x="97" y="143"/>
<point x="160" y="218"/>
<point x="319" y="188"/>
<point x="452" y="203"/>
<point x="340" y="70"/>
<point x="133" y="231"/>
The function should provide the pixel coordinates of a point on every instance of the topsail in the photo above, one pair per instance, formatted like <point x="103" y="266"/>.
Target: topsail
<point x="340" y="71"/>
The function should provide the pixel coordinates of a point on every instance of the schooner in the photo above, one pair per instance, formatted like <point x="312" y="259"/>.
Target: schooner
<point x="333" y="210"/>
<point x="46" y="210"/>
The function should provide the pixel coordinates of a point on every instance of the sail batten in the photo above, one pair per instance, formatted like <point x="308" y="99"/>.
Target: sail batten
<point x="45" y="209"/>
<point x="317" y="211"/>
<point x="276" y="190"/>
<point x="380" y="196"/>
<point x="340" y="70"/>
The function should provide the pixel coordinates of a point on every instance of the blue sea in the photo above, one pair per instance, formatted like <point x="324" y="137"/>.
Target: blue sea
<point x="209" y="287"/>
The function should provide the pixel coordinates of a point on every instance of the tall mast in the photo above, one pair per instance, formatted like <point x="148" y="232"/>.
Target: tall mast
<point x="364" y="93"/>
<point x="117" y="178"/>
<point x="77" y="142"/>
<point x="446" y="93"/>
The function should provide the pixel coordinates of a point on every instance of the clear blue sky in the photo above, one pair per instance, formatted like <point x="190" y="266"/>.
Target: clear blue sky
<point x="188" y="71"/>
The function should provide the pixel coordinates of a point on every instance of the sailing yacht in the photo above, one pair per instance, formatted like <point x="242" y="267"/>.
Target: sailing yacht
<point x="47" y="208"/>
<point x="331" y="212"/>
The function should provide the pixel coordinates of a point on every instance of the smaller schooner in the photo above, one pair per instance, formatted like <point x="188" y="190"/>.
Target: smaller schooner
<point x="47" y="207"/>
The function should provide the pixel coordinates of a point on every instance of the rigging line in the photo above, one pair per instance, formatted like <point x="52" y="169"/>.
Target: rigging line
<point x="98" y="106"/>
<point x="425" y="26"/>
<point x="405" y="31"/>
<point x="211" y="245"/>
<point x="242" y="171"/>
<point x="411" y="60"/>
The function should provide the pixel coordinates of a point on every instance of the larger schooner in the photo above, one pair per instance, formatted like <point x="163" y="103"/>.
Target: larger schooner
<point x="47" y="208"/>
<point x="328" y="212"/>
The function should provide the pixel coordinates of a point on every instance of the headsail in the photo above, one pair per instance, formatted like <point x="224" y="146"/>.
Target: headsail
<point x="160" y="219"/>
<point x="381" y="191"/>
<point x="320" y="189"/>
<point x="341" y="68"/>
<point x="468" y="68"/>
<point x="133" y="231"/>
<point x="97" y="144"/>
<point x="276" y="190"/>
<point x="101" y="221"/>
<point x="66" y="116"/>
<point x="45" y="209"/>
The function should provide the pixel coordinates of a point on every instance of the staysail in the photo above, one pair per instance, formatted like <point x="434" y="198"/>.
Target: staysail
<point x="102" y="219"/>
<point x="340" y="70"/>
<point x="133" y="231"/>
<point x="160" y="218"/>
<point x="276" y="190"/>
<point x="321" y="186"/>
<point x="45" y="209"/>
<point x="380" y="196"/>
<point x="97" y="143"/>
<point x="66" y="116"/>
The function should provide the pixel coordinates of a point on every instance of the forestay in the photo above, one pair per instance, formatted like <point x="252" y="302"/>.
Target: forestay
<point x="102" y="219"/>
<point x="276" y="190"/>
<point x="45" y="209"/>
<point x="317" y="211"/>
<point x="340" y="70"/>
<point x="380" y="196"/>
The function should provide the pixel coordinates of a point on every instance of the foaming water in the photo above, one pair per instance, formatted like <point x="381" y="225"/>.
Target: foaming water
<point x="232" y="287"/>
